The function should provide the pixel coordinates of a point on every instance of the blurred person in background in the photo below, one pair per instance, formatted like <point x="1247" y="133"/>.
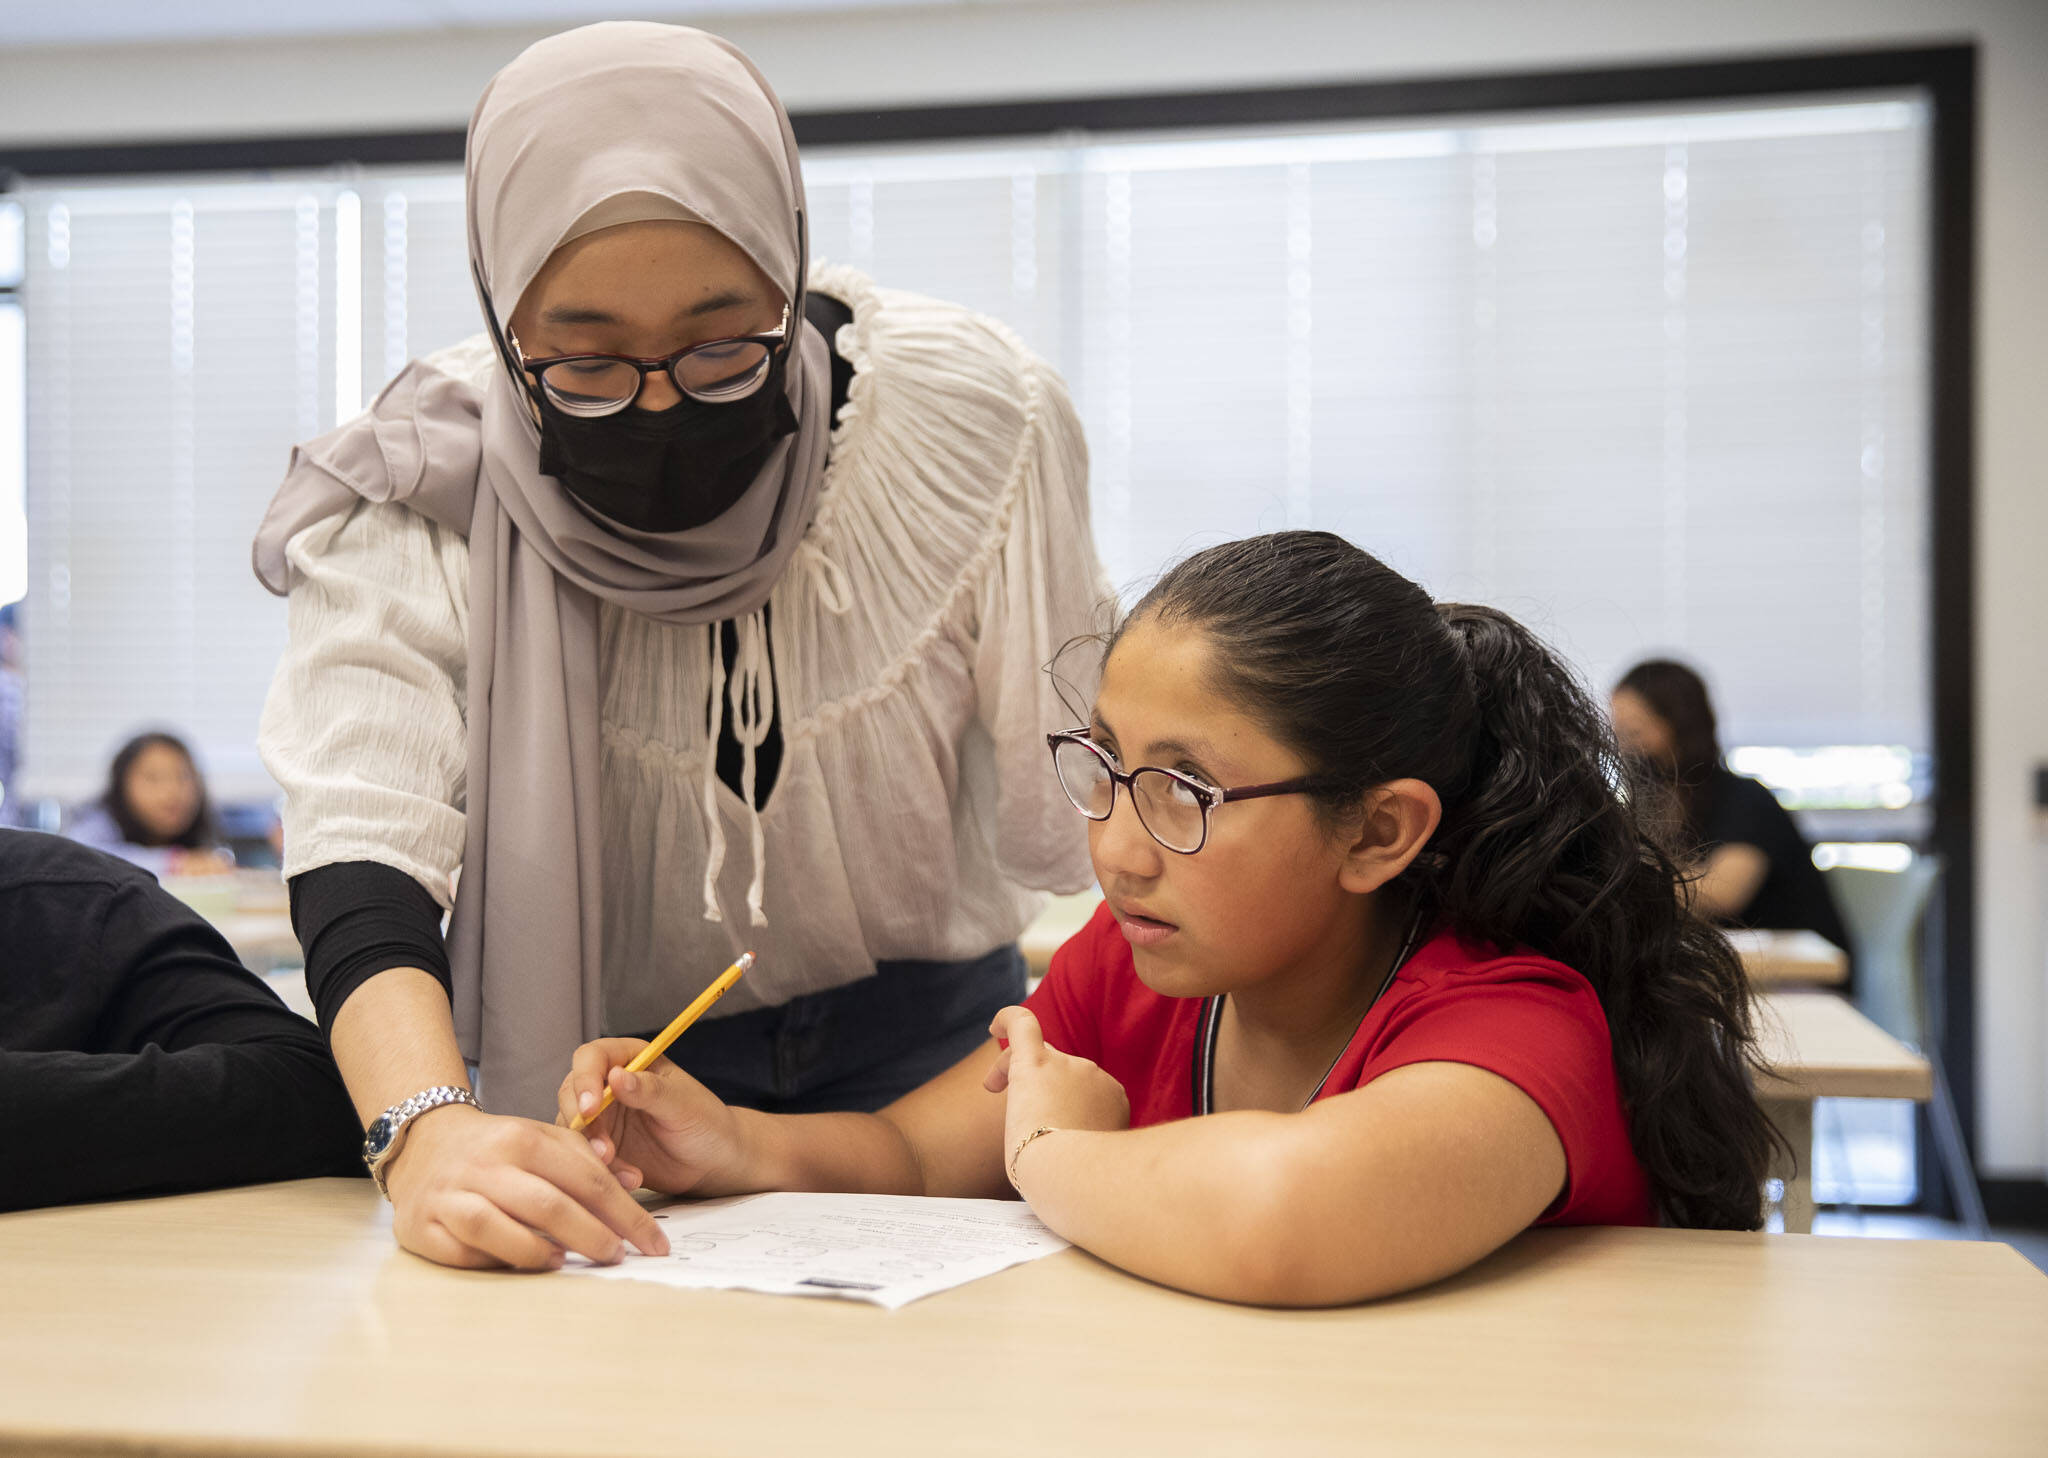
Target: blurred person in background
<point x="155" y="811"/>
<point x="1752" y="866"/>
<point x="11" y="695"/>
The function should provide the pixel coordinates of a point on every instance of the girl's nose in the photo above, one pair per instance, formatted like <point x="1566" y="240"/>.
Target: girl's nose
<point x="1122" y="845"/>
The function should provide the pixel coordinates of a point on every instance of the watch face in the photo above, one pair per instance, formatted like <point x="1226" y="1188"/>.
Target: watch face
<point x="377" y="1138"/>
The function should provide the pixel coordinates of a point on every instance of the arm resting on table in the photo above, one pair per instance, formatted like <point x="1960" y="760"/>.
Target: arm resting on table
<point x="1407" y="1180"/>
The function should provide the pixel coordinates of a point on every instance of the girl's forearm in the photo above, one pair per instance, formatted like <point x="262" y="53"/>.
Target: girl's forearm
<point x="1200" y="1204"/>
<point x="851" y="1153"/>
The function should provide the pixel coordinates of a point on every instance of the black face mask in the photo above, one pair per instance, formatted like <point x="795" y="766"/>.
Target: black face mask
<point x="665" y="470"/>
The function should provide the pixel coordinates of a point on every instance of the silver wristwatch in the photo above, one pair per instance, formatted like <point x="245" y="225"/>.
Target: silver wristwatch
<point x="387" y="1131"/>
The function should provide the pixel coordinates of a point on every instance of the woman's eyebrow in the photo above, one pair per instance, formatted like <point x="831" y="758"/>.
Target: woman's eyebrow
<point x="724" y="299"/>
<point x="586" y="314"/>
<point x="578" y="314"/>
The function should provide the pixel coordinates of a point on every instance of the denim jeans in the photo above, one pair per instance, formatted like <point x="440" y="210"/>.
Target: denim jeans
<point x="857" y="1047"/>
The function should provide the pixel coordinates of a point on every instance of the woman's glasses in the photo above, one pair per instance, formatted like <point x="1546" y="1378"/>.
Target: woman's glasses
<point x="715" y="372"/>
<point x="1173" y="807"/>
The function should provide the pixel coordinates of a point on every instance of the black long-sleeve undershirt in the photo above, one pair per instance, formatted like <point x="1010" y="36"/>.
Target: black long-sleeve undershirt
<point x="137" y="1055"/>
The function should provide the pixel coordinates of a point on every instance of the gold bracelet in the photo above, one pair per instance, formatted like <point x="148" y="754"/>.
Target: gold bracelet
<point x="1018" y="1152"/>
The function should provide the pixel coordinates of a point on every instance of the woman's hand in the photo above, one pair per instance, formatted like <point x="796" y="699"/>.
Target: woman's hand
<point x="476" y="1189"/>
<point x="1048" y="1088"/>
<point x="663" y="1130"/>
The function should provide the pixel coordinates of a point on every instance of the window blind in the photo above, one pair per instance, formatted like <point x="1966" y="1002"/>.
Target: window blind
<point x="1653" y="380"/>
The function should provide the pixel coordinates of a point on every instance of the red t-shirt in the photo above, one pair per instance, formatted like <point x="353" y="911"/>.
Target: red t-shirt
<point x="1534" y="1022"/>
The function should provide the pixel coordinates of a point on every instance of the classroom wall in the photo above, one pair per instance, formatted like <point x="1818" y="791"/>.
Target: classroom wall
<point x="883" y="58"/>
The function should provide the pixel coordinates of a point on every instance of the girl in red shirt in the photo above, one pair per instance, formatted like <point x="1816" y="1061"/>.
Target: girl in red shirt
<point x="1387" y="970"/>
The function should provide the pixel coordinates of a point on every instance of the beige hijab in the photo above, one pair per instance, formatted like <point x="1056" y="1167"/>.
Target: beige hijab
<point x="607" y="124"/>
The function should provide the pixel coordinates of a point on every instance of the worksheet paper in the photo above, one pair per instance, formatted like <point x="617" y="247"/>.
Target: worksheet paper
<point x="885" y="1249"/>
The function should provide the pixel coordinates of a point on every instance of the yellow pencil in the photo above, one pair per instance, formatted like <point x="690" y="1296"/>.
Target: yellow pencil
<point x="674" y="1030"/>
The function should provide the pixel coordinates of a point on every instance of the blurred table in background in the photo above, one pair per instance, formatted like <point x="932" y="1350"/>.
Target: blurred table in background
<point x="1819" y="1046"/>
<point x="1062" y="917"/>
<point x="252" y="909"/>
<point x="1801" y="958"/>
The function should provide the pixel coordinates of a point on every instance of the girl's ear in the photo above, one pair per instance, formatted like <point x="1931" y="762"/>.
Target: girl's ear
<point x="1396" y="822"/>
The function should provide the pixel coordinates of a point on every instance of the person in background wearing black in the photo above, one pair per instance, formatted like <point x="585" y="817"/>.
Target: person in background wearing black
<point x="1754" y="867"/>
<point x="137" y="1056"/>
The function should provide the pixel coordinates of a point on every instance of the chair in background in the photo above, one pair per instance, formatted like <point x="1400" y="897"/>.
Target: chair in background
<point x="1883" y="910"/>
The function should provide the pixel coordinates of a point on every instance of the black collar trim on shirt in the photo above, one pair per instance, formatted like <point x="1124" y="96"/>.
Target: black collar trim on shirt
<point x="1204" y="1071"/>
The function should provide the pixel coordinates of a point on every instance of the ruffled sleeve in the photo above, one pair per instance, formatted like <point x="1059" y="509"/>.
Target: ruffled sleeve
<point x="365" y="727"/>
<point x="1035" y="661"/>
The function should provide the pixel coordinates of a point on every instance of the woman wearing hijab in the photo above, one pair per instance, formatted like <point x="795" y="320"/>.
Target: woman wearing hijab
<point x="616" y="610"/>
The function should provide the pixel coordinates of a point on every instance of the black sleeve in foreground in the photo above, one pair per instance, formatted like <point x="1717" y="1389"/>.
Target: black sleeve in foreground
<point x="94" y="1126"/>
<point x="194" y="1074"/>
<point x="357" y="919"/>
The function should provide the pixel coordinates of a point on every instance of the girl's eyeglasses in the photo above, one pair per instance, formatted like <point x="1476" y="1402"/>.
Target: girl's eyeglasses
<point x="1173" y="807"/>
<point x="717" y="371"/>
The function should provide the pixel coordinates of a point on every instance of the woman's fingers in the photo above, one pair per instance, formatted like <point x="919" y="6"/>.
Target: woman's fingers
<point x="442" y="1246"/>
<point x="542" y="1179"/>
<point x="547" y="1210"/>
<point x="482" y="1225"/>
<point x="565" y="1161"/>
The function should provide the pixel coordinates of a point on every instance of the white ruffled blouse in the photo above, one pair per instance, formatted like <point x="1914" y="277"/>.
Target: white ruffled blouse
<point x="915" y="813"/>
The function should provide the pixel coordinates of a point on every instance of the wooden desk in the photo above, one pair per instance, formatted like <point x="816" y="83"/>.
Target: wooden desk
<point x="282" y="1319"/>
<point x="1822" y="1047"/>
<point x="1801" y="958"/>
<point x="1819" y="1046"/>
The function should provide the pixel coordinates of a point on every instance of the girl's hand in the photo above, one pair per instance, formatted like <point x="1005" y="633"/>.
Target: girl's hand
<point x="664" y="1130"/>
<point x="1048" y="1088"/>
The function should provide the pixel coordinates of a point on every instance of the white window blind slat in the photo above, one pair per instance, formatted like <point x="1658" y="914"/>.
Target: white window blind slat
<point x="174" y="356"/>
<point x="1654" y="381"/>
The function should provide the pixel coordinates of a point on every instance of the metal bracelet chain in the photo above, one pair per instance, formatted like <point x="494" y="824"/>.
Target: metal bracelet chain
<point x="433" y="1098"/>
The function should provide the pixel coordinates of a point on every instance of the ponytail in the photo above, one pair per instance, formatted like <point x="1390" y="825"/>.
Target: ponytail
<point x="1543" y="843"/>
<point x="1543" y="850"/>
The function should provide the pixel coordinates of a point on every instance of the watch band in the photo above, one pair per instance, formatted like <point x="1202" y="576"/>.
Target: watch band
<point x="386" y="1132"/>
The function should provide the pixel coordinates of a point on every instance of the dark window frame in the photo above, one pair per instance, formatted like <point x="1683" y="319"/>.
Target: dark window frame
<point x="1945" y="74"/>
